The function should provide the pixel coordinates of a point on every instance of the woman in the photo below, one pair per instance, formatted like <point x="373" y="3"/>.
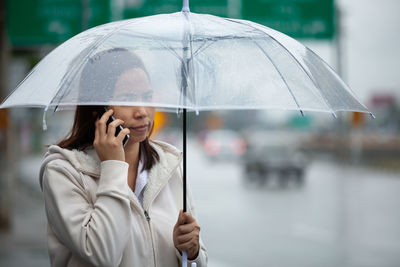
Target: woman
<point x="114" y="205"/>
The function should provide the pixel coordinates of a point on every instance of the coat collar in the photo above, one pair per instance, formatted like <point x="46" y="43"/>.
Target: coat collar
<point x="170" y="160"/>
<point x="87" y="162"/>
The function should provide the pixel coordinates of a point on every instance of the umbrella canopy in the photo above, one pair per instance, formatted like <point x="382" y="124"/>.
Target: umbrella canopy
<point x="192" y="61"/>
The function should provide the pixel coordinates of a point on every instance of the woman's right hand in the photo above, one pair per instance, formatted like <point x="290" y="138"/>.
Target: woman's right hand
<point x="109" y="147"/>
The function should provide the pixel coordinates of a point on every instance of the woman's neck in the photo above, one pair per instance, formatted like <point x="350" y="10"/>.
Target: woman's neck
<point x="132" y="158"/>
<point x="132" y="154"/>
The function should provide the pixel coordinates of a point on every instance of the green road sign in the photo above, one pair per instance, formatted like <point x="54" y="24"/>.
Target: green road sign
<point x="312" y="19"/>
<point x="296" y="18"/>
<point x="140" y="8"/>
<point x="40" y="22"/>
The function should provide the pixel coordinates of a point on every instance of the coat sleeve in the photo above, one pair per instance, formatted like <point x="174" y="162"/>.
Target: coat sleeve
<point x="95" y="232"/>
<point x="202" y="257"/>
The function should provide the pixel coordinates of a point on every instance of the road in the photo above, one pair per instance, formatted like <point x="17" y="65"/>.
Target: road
<point x="341" y="216"/>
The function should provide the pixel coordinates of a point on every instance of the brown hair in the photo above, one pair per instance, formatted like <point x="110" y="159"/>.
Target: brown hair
<point x="82" y="135"/>
<point x="113" y="62"/>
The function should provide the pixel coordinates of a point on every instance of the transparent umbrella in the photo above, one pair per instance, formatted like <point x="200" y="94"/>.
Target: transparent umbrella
<point x="185" y="61"/>
<point x="193" y="61"/>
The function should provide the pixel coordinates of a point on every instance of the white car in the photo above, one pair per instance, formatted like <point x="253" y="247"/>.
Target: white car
<point x="222" y="144"/>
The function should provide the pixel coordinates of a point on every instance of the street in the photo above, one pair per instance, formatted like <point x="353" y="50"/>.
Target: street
<point x="340" y="216"/>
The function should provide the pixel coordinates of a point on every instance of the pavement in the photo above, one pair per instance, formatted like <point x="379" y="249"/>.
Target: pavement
<point x="24" y="244"/>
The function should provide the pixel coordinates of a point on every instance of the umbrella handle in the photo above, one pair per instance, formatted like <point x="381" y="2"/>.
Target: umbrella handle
<point x="185" y="6"/>
<point x="184" y="258"/>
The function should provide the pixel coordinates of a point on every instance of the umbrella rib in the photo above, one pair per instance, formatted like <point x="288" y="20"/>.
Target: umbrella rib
<point x="188" y="45"/>
<point x="153" y="37"/>
<point x="202" y="48"/>
<point x="177" y="56"/>
<point x="207" y="42"/>
<point x="198" y="39"/>
<point x="316" y="84"/>
<point x="170" y="49"/>
<point x="15" y="89"/>
<point x="91" y="49"/>
<point x="281" y="75"/>
<point x="327" y="65"/>
<point x="190" y="61"/>
<point x="218" y="38"/>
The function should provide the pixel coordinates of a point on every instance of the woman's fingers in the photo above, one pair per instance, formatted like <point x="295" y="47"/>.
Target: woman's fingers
<point x="96" y="130"/>
<point x="181" y="218"/>
<point x="189" y="245"/>
<point x="186" y="223"/>
<point x="101" y="124"/>
<point x="187" y="228"/>
<point x="182" y="239"/>
<point x="185" y="218"/>
<point x="122" y="134"/>
<point x="188" y="218"/>
<point x="186" y="234"/>
<point x="105" y="131"/>
<point x="107" y="146"/>
<point x="192" y="247"/>
<point x="111" y="128"/>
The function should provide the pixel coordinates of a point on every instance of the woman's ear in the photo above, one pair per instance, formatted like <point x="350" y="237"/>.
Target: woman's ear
<point x="98" y="112"/>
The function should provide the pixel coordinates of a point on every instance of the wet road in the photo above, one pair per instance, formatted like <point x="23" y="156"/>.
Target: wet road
<point x="340" y="216"/>
<point x="25" y="243"/>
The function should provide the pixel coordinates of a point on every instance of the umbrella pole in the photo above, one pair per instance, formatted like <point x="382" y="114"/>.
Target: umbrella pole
<point x="184" y="253"/>
<point x="184" y="160"/>
<point x="185" y="10"/>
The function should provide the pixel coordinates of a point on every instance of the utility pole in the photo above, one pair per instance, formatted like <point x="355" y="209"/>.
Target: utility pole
<point x="235" y="9"/>
<point x="342" y="150"/>
<point x="85" y="14"/>
<point x="342" y="131"/>
<point x="5" y="173"/>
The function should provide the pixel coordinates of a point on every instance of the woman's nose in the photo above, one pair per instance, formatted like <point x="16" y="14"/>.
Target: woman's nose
<point x="140" y="112"/>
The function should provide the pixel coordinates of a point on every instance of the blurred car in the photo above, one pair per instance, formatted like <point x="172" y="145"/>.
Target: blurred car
<point x="274" y="155"/>
<point x="222" y="144"/>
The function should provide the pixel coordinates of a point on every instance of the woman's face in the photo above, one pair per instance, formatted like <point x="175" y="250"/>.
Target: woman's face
<point x="134" y="84"/>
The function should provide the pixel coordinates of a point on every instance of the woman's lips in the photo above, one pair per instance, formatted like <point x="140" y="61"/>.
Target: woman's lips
<point x="141" y="128"/>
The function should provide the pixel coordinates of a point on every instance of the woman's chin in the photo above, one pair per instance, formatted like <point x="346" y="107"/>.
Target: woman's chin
<point x="136" y="139"/>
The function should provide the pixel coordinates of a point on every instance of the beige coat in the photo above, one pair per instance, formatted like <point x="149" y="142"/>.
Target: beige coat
<point x="94" y="218"/>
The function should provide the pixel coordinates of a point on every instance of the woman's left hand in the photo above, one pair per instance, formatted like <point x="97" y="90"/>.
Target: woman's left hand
<point x="187" y="234"/>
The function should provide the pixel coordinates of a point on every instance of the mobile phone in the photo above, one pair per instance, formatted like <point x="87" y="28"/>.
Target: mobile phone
<point x="118" y="129"/>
